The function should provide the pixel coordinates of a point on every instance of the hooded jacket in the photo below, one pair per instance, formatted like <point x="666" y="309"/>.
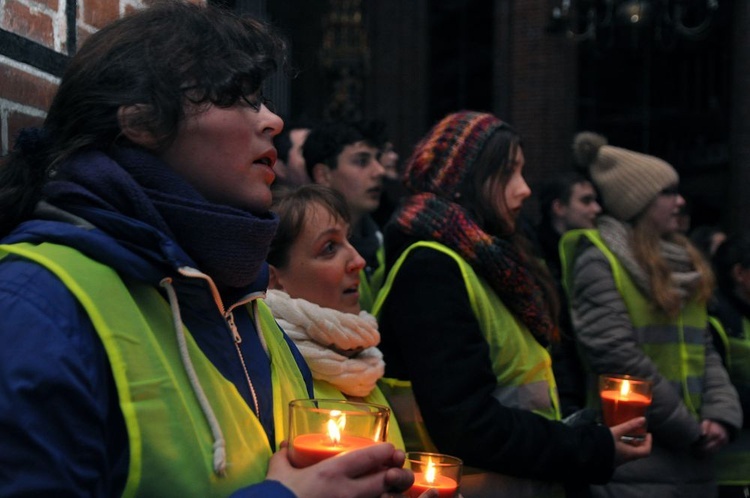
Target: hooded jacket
<point x="62" y="432"/>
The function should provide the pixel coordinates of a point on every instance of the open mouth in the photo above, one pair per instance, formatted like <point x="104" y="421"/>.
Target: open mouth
<point x="353" y="289"/>
<point x="268" y="158"/>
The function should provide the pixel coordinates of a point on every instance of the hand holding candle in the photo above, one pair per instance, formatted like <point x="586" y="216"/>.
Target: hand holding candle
<point x="624" y="398"/>
<point x="434" y="471"/>
<point x="320" y="429"/>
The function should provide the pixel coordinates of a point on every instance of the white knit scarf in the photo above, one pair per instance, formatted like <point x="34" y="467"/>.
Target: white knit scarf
<point x="338" y="347"/>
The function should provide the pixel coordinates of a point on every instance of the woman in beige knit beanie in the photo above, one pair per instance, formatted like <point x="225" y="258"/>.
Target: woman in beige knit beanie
<point x="638" y="292"/>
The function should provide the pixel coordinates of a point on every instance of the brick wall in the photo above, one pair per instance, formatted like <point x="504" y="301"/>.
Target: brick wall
<point x="541" y="73"/>
<point x="36" y="39"/>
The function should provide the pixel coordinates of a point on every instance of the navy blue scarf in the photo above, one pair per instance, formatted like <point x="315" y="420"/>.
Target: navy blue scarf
<point x="226" y="243"/>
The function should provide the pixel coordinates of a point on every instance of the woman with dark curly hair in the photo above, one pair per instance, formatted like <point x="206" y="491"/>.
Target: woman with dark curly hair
<point x="137" y="357"/>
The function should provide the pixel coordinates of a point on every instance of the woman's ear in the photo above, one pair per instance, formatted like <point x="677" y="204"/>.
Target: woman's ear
<point x="321" y="174"/>
<point x="274" y="281"/>
<point x="558" y="208"/>
<point x="132" y="119"/>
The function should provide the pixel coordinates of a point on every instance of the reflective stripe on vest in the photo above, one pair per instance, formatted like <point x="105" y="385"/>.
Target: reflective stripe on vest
<point x="170" y="442"/>
<point x="733" y="461"/>
<point x="522" y="367"/>
<point x="676" y="346"/>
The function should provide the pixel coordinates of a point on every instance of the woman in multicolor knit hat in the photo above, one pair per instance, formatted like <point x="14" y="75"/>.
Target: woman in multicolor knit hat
<point x="465" y="315"/>
<point x="638" y="294"/>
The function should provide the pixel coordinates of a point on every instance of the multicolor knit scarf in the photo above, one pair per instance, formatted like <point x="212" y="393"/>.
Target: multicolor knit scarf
<point x="496" y="259"/>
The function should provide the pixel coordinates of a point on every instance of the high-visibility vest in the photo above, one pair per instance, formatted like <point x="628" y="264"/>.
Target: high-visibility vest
<point x="170" y="441"/>
<point x="369" y="286"/>
<point x="522" y="366"/>
<point x="733" y="461"/>
<point x="675" y="345"/>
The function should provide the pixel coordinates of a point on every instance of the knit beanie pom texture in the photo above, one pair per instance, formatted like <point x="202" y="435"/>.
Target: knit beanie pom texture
<point x="441" y="159"/>
<point x="628" y="181"/>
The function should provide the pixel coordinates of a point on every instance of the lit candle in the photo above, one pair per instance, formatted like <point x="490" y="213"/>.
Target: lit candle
<point x="624" y="399"/>
<point x="308" y="449"/>
<point x="431" y="478"/>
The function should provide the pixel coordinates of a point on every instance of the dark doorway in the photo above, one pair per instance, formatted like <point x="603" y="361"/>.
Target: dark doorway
<point x="460" y="58"/>
<point x="668" y="96"/>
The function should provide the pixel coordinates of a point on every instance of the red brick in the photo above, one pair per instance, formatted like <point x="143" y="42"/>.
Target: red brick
<point x="19" y="86"/>
<point x="50" y="4"/>
<point x="33" y="25"/>
<point x="99" y="13"/>
<point x="82" y="33"/>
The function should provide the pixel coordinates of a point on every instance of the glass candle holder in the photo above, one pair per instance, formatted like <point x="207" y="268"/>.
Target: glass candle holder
<point x="623" y="398"/>
<point x="323" y="428"/>
<point x="434" y="471"/>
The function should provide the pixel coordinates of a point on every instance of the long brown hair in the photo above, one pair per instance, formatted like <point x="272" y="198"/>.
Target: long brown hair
<point x="472" y="195"/>
<point x="646" y="250"/>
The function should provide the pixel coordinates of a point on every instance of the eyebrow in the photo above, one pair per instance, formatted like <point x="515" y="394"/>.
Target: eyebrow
<point x="329" y="232"/>
<point x="364" y="154"/>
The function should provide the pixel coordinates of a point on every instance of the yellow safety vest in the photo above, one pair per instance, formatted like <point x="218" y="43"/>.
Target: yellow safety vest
<point x="370" y="286"/>
<point x="733" y="461"/>
<point x="170" y="441"/>
<point x="522" y="366"/>
<point x="675" y="345"/>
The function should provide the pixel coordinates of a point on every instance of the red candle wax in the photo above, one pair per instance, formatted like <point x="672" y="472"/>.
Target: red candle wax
<point x="445" y="486"/>
<point x="309" y="449"/>
<point x="618" y="408"/>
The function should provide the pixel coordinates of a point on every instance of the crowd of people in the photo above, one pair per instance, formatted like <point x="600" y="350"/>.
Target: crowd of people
<point x="177" y="265"/>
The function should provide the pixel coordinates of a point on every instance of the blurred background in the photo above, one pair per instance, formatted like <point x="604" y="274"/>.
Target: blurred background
<point x="665" y="77"/>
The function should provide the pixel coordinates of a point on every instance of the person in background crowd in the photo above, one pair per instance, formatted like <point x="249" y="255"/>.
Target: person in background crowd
<point x="707" y="238"/>
<point x="290" y="164"/>
<point x="465" y="316"/>
<point x="684" y="217"/>
<point x="730" y="323"/>
<point x="638" y="294"/>
<point x="389" y="159"/>
<point x="344" y="156"/>
<point x="137" y="357"/>
<point x="393" y="185"/>
<point x="567" y="201"/>
<point x="313" y="295"/>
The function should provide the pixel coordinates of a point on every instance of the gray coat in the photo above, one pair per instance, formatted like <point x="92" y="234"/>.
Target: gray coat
<point x="608" y="344"/>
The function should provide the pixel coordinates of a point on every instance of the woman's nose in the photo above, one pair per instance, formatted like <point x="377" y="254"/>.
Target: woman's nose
<point x="356" y="262"/>
<point x="272" y="122"/>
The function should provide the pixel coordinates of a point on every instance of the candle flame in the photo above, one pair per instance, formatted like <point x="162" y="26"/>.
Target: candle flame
<point x="429" y="474"/>
<point x="625" y="388"/>
<point x="336" y="424"/>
